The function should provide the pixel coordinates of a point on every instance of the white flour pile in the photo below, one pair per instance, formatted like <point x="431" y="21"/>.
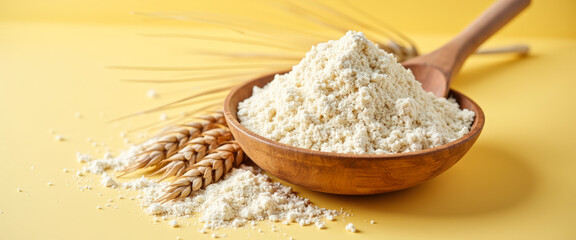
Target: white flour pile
<point x="244" y="197"/>
<point x="349" y="96"/>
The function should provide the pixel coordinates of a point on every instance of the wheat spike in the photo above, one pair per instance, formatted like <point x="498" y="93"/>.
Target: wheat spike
<point x="209" y="169"/>
<point x="197" y="154"/>
<point x="171" y="141"/>
<point x="192" y="152"/>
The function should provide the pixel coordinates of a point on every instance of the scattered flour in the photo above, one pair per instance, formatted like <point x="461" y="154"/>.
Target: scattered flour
<point x="349" y="96"/>
<point x="244" y="195"/>
<point x="350" y="228"/>
<point x="59" y="138"/>
<point x="173" y="223"/>
<point x="151" y="93"/>
<point x="242" y="198"/>
<point x="107" y="162"/>
<point x="82" y="157"/>
<point x="107" y="181"/>
<point x="163" y="117"/>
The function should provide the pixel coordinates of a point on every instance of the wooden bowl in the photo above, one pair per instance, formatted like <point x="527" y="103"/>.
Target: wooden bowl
<point x="350" y="174"/>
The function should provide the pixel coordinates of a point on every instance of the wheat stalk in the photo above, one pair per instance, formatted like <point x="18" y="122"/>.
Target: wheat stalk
<point x="208" y="170"/>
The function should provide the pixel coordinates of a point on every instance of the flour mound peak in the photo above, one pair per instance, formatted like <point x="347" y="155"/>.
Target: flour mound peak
<point x="349" y="96"/>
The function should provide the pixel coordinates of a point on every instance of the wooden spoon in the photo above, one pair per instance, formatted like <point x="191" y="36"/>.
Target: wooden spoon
<point x="436" y="70"/>
<point x="360" y="174"/>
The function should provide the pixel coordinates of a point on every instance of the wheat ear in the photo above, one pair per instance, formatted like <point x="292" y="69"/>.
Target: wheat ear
<point x="206" y="171"/>
<point x="173" y="140"/>
<point x="194" y="150"/>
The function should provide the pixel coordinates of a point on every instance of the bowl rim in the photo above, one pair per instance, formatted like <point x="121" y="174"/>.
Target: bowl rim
<point x="232" y="120"/>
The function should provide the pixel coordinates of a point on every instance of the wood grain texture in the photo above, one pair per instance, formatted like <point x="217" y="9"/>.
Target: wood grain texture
<point x="351" y="174"/>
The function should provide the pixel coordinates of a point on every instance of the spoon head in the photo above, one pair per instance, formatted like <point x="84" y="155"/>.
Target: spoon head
<point x="432" y="79"/>
<point x="350" y="174"/>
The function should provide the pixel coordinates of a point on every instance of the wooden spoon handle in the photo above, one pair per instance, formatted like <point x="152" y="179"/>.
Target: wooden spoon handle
<point x="520" y="49"/>
<point x="450" y="57"/>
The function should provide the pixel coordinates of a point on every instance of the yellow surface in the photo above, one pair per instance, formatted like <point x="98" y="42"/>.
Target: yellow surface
<point x="517" y="182"/>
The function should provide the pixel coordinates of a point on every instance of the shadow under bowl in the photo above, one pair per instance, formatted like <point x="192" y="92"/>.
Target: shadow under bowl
<point x="349" y="174"/>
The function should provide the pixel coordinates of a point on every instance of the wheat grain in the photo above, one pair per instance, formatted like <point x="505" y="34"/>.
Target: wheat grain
<point x="171" y="141"/>
<point x="193" y="151"/>
<point x="208" y="170"/>
<point x="197" y="154"/>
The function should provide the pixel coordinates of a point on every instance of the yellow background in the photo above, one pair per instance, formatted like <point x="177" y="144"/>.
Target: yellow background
<point x="517" y="182"/>
<point x="551" y="18"/>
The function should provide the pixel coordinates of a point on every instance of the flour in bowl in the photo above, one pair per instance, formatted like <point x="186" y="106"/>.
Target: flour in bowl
<point x="349" y="96"/>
